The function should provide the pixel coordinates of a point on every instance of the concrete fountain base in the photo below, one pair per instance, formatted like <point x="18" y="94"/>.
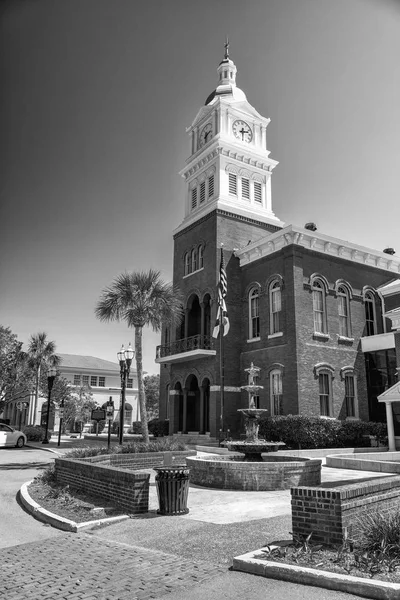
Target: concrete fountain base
<point x="273" y="473"/>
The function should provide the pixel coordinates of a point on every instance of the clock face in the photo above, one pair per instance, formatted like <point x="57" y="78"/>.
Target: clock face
<point x="206" y="134"/>
<point x="242" y="131"/>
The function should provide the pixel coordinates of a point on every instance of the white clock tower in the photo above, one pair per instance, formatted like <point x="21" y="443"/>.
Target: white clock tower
<point x="229" y="168"/>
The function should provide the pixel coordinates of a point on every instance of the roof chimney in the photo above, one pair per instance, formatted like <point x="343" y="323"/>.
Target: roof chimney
<point x="389" y="251"/>
<point x="310" y="226"/>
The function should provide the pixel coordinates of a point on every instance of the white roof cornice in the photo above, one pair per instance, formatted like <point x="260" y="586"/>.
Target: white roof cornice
<point x="313" y="240"/>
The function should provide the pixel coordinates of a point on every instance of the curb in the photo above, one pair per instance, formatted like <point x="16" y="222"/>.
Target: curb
<point x="367" y="588"/>
<point x="46" y="516"/>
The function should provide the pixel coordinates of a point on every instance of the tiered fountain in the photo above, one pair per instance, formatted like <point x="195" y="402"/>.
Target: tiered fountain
<point x="252" y="447"/>
<point x="253" y="472"/>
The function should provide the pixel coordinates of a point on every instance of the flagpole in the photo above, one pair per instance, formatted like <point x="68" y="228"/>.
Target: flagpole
<point x="221" y="372"/>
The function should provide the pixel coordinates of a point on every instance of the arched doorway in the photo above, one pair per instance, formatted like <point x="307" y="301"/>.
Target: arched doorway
<point x="192" y="404"/>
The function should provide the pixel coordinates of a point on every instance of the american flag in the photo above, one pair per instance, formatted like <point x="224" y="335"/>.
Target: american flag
<point x="222" y="290"/>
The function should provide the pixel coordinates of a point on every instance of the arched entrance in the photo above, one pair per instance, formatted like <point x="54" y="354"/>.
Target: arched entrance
<point x="192" y="405"/>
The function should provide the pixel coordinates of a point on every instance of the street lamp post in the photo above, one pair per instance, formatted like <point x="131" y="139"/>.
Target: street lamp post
<point x="125" y="360"/>
<point x="51" y="375"/>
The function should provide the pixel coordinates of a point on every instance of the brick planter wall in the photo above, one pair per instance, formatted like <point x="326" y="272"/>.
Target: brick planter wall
<point x="274" y="473"/>
<point x="328" y="512"/>
<point x="111" y="476"/>
<point x="120" y="487"/>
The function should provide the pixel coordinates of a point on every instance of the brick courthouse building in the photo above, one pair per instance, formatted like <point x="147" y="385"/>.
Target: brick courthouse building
<point x="300" y="303"/>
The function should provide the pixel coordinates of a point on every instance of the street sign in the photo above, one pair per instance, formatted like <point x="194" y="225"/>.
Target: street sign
<point x="110" y="412"/>
<point x="61" y="413"/>
<point x="98" y="414"/>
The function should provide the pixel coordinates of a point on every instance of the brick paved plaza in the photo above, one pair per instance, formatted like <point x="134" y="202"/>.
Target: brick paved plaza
<point x="79" y="566"/>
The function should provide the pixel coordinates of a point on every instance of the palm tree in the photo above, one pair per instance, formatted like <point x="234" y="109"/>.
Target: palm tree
<point x="141" y="299"/>
<point x="41" y="354"/>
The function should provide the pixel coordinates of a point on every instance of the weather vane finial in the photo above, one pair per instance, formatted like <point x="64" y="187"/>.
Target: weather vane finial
<point x="227" y="47"/>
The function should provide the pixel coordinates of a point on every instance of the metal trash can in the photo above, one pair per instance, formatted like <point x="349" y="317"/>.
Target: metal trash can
<point x="172" y="490"/>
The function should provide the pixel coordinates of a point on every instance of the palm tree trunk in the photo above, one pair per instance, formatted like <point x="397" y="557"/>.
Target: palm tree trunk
<point x="139" y="369"/>
<point x="35" y="405"/>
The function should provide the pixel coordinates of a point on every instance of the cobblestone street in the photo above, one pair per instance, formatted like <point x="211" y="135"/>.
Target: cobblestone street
<point x="81" y="567"/>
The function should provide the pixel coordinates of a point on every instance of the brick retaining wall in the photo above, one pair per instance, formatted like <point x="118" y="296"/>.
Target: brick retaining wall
<point x="111" y="476"/>
<point x="120" y="487"/>
<point x="328" y="512"/>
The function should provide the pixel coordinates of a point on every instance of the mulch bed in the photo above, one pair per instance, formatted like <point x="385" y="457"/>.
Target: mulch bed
<point x="332" y="560"/>
<point x="70" y="504"/>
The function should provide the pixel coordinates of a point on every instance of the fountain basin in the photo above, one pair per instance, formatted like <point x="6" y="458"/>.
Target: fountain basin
<point x="273" y="473"/>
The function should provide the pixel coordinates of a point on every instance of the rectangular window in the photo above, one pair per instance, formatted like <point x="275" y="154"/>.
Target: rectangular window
<point x="245" y="189"/>
<point x="85" y="379"/>
<point x="194" y="198"/>
<point x="324" y="394"/>
<point x="129" y="383"/>
<point x="102" y="382"/>
<point x="318" y="307"/>
<point x="232" y="184"/>
<point x="276" y="393"/>
<point x="77" y="380"/>
<point x="202" y="191"/>
<point x="350" y="396"/>
<point x="211" y="186"/>
<point x="257" y="192"/>
<point x="93" y="380"/>
<point x="127" y="417"/>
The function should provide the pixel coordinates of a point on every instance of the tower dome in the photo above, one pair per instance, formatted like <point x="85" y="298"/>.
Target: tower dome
<point x="227" y="81"/>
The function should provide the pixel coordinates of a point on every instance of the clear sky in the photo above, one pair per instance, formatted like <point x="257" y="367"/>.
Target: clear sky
<point x="95" y="98"/>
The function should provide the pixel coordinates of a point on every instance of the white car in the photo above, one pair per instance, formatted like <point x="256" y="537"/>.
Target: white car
<point x="11" y="437"/>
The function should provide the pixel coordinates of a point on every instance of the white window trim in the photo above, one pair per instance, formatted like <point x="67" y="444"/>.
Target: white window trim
<point x="255" y="339"/>
<point x="271" y="336"/>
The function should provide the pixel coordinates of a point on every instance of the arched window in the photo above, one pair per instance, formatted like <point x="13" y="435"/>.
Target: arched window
<point x="276" y="392"/>
<point x="324" y="373"/>
<point x="254" y="313"/>
<point x="187" y="263"/>
<point x="200" y="257"/>
<point x="319" y="306"/>
<point x="350" y="392"/>
<point x="370" y="314"/>
<point x="194" y="260"/>
<point x="344" y="311"/>
<point x="275" y="307"/>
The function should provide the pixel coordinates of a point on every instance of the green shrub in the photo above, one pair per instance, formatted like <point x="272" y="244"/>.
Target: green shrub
<point x="380" y="531"/>
<point x="136" y="427"/>
<point x="34" y="433"/>
<point x="48" y="475"/>
<point x="162" y="445"/>
<point x="158" y="427"/>
<point x="313" y="432"/>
